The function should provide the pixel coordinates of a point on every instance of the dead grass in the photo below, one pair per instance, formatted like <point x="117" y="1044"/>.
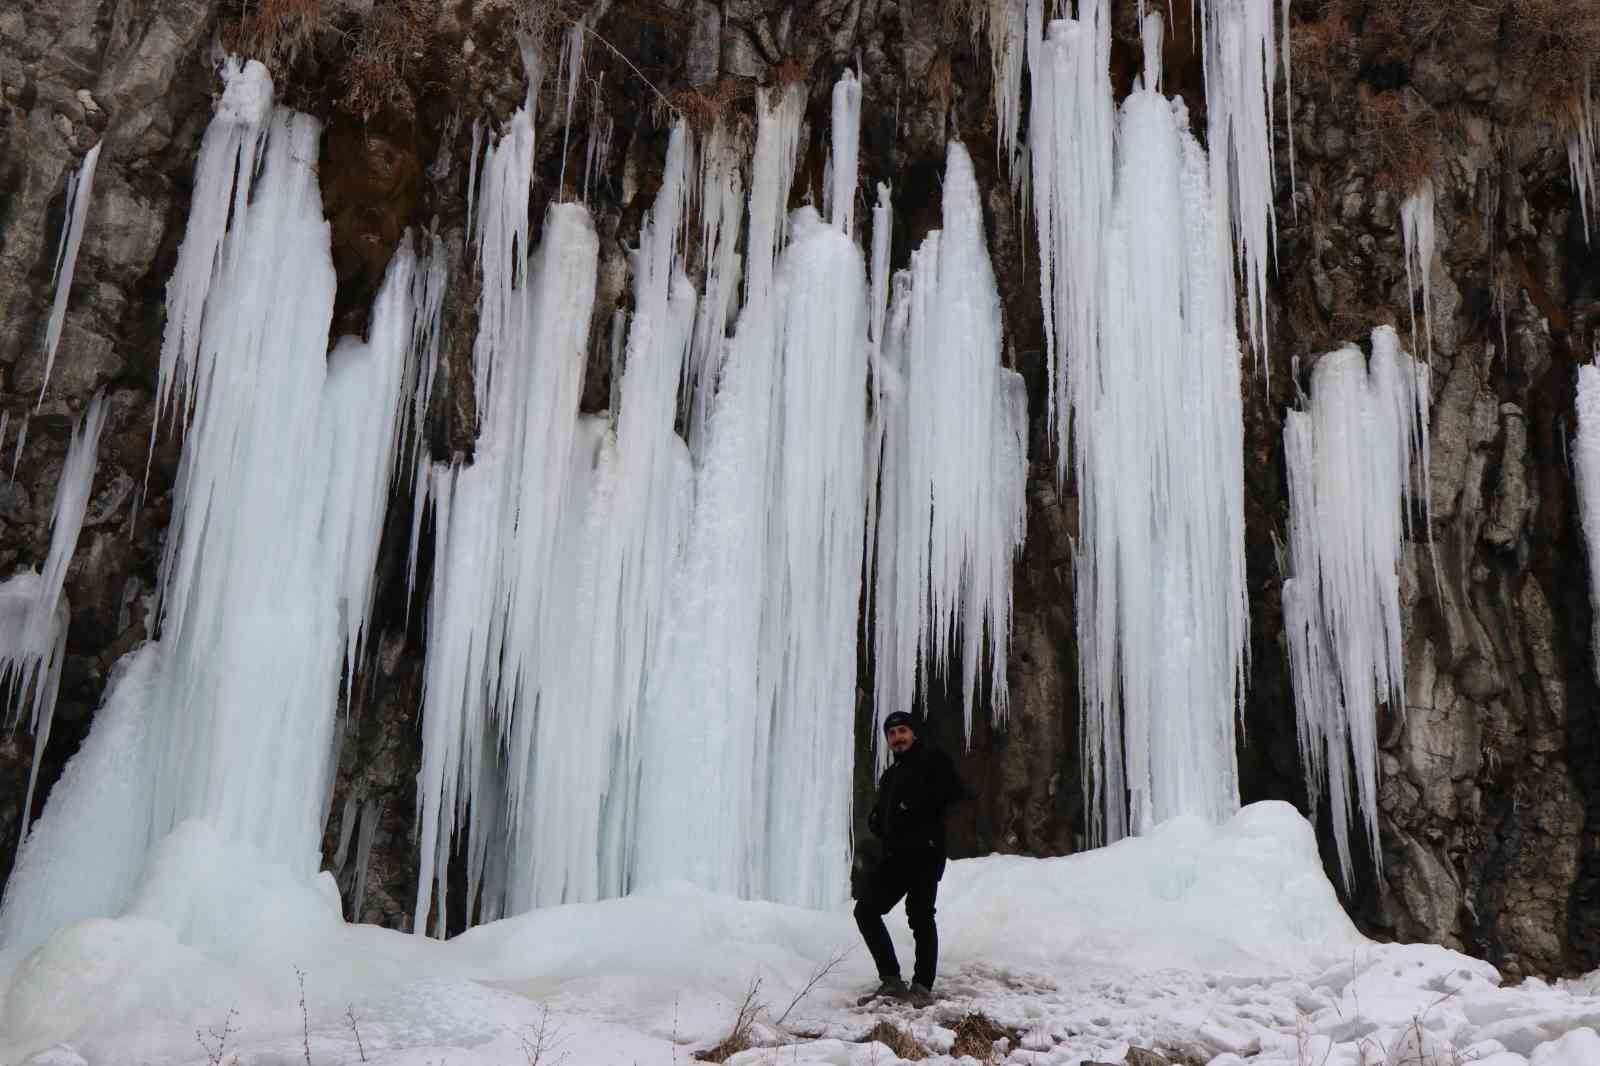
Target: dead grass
<point x="897" y="1040"/>
<point x="1399" y="132"/>
<point x="544" y="21"/>
<point x="705" y="106"/>
<point x="274" y="31"/>
<point x="976" y="1035"/>
<point x="392" y="39"/>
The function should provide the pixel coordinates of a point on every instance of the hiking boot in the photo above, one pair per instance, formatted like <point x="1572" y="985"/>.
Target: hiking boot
<point x="920" y="995"/>
<point x="888" y="988"/>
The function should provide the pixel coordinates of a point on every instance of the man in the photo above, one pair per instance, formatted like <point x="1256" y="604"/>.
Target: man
<point x="909" y="819"/>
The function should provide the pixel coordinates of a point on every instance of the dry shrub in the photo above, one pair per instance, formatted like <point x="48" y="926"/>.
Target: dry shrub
<point x="897" y="1040"/>
<point x="703" y="107"/>
<point x="1315" y="48"/>
<point x="741" y="1037"/>
<point x="791" y="70"/>
<point x="544" y="21"/>
<point x="392" y="38"/>
<point x="1400" y="134"/>
<point x="1552" y="45"/>
<point x="976" y="1035"/>
<point x="274" y="31"/>
<point x="939" y="80"/>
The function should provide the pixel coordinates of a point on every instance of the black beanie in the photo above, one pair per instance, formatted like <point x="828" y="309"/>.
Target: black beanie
<point x="899" y="718"/>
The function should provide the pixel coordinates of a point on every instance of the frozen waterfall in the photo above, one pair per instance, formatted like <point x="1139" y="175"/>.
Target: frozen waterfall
<point x="269" y="563"/>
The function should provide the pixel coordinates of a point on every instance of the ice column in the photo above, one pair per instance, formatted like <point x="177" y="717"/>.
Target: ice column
<point x="1352" y="486"/>
<point x="267" y="576"/>
<point x="79" y="188"/>
<point x="706" y="726"/>
<point x="1070" y="128"/>
<point x="1588" y="478"/>
<point x="756" y="679"/>
<point x="1417" y="234"/>
<point x="1240" y="65"/>
<point x="1137" y="284"/>
<point x="953" y="469"/>
<point x="552" y="556"/>
<point x="579" y="822"/>
<point x="497" y="526"/>
<point x="814" y="583"/>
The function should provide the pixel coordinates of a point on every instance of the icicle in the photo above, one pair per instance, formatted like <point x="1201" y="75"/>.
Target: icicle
<point x="1071" y="135"/>
<point x="427" y="298"/>
<point x="769" y="187"/>
<point x="721" y="194"/>
<point x="33" y="606"/>
<point x="502" y="240"/>
<point x="953" y="468"/>
<point x="1153" y="30"/>
<point x="367" y="406"/>
<point x="1350" y="458"/>
<point x="1285" y="54"/>
<point x="846" y="151"/>
<point x="1004" y="23"/>
<point x="472" y="170"/>
<point x="1583" y="144"/>
<point x="22" y="442"/>
<point x="571" y="64"/>
<point x="224" y="175"/>
<point x="598" y="149"/>
<point x="1417" y="233"/>
<point x="79" y="189"/>
<point x="1587" y="464"/>
<point x="369" y="828"/>
<point x="1240" y="69"/>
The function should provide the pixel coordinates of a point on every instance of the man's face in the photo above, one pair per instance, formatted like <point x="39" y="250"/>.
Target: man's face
<point x="900" y="737"/>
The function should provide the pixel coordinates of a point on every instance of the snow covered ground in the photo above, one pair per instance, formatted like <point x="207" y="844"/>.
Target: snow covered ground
<point x="1222" y="943"/>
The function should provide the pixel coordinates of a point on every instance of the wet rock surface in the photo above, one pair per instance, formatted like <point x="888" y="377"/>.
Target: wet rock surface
<point x="1490" y="775"/>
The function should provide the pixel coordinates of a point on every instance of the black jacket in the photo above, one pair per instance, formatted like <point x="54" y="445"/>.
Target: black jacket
<point x="912" y="796"/>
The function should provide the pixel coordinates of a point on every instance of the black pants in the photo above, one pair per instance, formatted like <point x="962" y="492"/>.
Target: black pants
<point x="913" y="876"/>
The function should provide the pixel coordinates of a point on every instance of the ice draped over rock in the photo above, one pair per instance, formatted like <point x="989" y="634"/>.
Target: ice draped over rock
<point x="267" y="577"/>
<point x="1356" y="458"/>
<point x="34" y="612"/>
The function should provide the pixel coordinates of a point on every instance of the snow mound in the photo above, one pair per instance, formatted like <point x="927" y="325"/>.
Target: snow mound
<point x="1223" y="942"/>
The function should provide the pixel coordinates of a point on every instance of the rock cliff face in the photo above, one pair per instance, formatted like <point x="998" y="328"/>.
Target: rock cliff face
<point x="1490" y="782"/>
